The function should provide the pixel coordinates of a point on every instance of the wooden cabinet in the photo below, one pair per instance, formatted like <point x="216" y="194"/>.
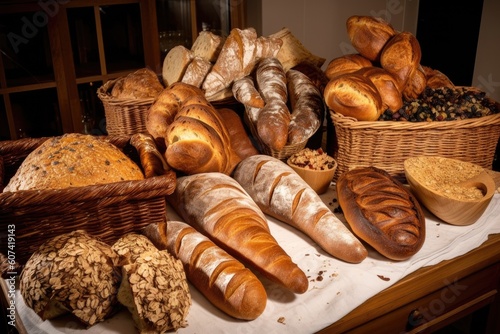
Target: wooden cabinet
<point x="56" y="54"/>
<point x="456" y="296"/>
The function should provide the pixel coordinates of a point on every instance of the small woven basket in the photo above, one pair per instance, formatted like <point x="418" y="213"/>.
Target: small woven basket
<point x="387" y="144"/>
<point x="284" y="153"/>
<point x="123" y="116"/>
<point x="107" y="211"/>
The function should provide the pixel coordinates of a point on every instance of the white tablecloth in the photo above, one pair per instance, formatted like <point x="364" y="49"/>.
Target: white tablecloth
<point x="335" y="287"/>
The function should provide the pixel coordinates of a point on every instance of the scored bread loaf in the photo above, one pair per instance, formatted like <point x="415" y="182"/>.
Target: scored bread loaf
<point x="73" y="160"/>
<point x="307" y="107"/>
<point x="369" y="35"/>
<point x="175" y="64"/>
<point x="274" y="118"/>
<point x="196" y="71"/>
<point x="193" y="135"/>
<point x="245" y="92"/>
<point x="217" y="206"/>
<point x="281" y="193"/>
<point x="386" y="85"/>
<point x="382" y="212"/>
<point x="353" y="95"/>
<point x="401" y="57"/>
<point x="240" y="141"/>
<point x="436" y="78"/>
<point x="346" y="64"/>
<point x="222" y="279"/>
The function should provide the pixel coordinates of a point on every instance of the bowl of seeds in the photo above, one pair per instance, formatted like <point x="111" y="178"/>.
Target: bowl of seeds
<point x="455" y="191"/>
<point x="315" y="167"/>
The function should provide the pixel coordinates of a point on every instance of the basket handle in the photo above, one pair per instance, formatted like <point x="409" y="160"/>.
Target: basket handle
<point x="152" y="161"/>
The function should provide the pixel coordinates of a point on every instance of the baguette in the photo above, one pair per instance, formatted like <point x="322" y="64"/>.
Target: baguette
<point x="238" y="136"/>
<point x="307" y="107"/>
<point x="282" y="194"/>
<point x="222" y="279"/>
<point x="217" y="206"/>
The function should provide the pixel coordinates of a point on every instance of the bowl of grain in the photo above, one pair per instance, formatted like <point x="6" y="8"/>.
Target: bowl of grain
<point x="315" y="167"/>
<point x="455" y="191"/>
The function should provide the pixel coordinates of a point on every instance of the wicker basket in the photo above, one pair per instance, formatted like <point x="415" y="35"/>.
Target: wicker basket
<point x="387" y="144"/>
<point x="123" y="116"/>
<point x="105" y="211"/>
<point x="285" y="152"/>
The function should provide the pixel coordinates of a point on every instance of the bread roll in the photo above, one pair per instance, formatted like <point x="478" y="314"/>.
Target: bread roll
<point x="369" y="35"/>
<point x="436" y="79"/>
<point x="348" y="63"/>
<point x="217" y="206"/>
<point x="222" y="279"/>
<point x="354" y="95"/>
<point x="141" y="84"/>
<point x="307" y="106"/>
<point x="382" y="212"/>
<point x="73" y="273"/>
<point x="416" y="84"/>
<point x="154" y="289"/>
<point x="283" y="194"/>
<point x="386" y="85"/>
<point x="401" y="56"/>
<point x="73" y="160"/>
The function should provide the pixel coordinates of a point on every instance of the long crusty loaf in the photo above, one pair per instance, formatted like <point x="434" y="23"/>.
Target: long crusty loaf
<point x="216" y="205"/>
<point x="307" y="107"/>
<point x="222" y="279"/>
<point x="382" y="212"/>
<point x="283" y="194"/>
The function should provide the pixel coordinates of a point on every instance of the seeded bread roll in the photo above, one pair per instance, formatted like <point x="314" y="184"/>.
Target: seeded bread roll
<point x="72" y="273"/>
<point x="73" y="160"/>
<point x="382" y="212"/>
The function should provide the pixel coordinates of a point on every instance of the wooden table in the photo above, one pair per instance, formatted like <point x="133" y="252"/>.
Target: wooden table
<point x="434" y="297"/>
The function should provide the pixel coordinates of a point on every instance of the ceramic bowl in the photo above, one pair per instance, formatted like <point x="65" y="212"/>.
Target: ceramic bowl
<point x="459" y="198"/>
<point x="318" y="180"/>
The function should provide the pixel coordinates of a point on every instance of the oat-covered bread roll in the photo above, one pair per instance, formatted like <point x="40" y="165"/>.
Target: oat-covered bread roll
<point x="369" y="35"/>
<point x="154" y="286"/>
<point x="382" y="212"/>
<point x="141" y="84"/>
<point x="73" y="273"/>
<point x="73" y="160"/>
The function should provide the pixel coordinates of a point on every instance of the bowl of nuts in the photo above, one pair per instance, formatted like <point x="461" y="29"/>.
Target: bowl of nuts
<point x="455" y="191"/>
<point x="315" y="167"/>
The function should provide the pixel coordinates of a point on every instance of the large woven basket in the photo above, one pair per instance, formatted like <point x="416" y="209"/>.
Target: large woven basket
<point x="106" y="211"/>
<point x="386" y="144"/>
<point x="123" y="116"/>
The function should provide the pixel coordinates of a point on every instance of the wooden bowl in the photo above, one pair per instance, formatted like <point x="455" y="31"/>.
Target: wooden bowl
<point x="448" y="200"/>
<point x="318" y="180"/>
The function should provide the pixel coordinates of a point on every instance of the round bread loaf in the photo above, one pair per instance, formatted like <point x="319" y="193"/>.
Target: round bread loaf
<point x="353" y="95"/>
<point x="382" y="212"/>
<point x="73" y="160"/>
<point x="387" y="87"/>
<point x="369" y="35"/>
<point x="74" y="273"/>
<point x="141" y="84"/>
